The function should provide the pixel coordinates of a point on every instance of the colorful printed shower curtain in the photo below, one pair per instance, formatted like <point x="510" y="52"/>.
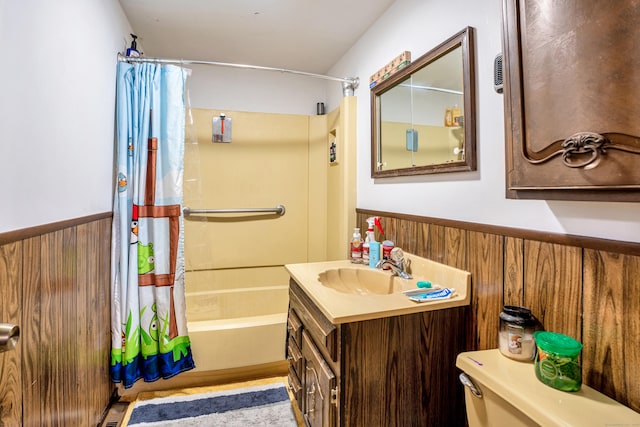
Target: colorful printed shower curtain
<point x="148" y="325"/>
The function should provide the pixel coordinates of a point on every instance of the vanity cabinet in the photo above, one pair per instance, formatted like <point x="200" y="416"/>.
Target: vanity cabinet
<point x="390" y="371"/>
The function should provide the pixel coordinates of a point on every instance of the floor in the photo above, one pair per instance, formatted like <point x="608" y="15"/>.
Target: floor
<point x="120" y="411"/>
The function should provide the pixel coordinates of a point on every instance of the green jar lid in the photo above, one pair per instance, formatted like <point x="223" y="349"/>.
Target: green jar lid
<point x="556" y="343"/>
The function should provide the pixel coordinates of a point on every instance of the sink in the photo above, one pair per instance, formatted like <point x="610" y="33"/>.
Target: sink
<point x="360" y="281"/>
<point x="346" y="292"/>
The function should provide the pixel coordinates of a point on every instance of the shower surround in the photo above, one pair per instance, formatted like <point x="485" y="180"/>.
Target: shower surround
<point x="237" y="288"/>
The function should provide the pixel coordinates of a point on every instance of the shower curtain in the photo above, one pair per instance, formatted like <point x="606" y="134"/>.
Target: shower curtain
<point x="148" y="325"/>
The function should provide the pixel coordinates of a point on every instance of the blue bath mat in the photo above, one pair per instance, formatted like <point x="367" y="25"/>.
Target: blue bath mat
<point x="264" y="405"/>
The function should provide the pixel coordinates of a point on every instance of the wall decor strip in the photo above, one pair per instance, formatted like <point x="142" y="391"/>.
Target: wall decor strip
<point x="486" y="267"/>
<point x="513" y="271"/>
<point x="611" y="324"/>
<point x="30" y="335"/>
<point x="86" y="268"/>
<point x="553" y="286"/>
<point x="455" y="248"/>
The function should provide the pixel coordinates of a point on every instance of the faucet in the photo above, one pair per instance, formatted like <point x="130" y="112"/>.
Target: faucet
<point x="397" y="268"/>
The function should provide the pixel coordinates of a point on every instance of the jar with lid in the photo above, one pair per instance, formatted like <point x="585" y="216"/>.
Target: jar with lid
<point x="517" y="326"/>
<point x="558" y="362"/>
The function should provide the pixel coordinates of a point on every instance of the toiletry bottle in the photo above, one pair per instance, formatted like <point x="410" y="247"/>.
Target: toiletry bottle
<point x="367" y="239"/>
<point x="374" y="249"/>
<point x="387" y="247"/>
<point x="374" y="254"/>
<point x="448" y="117"/>
<point x="370" y="237"/>
<point x="456" y="114"/>
<point x="356" y="247"/>
<point x="133" y="50"/>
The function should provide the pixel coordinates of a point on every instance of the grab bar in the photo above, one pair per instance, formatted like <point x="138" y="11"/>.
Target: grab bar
<point x="278" y="209"/>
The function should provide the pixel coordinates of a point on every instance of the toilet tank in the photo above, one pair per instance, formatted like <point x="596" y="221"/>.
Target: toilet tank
<point x="511" y="395"/>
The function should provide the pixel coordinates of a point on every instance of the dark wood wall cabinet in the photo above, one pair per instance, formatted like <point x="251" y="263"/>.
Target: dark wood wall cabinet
<point x="393" y="371"/>
<point x="572" y="110"/>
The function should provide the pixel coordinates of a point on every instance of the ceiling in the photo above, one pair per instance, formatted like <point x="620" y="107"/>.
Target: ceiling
<point x="304" y="35"/>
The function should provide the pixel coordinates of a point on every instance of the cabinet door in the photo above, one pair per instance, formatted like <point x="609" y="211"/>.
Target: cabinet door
<point x="571" y="104"/>
<point x="320" y="392"/>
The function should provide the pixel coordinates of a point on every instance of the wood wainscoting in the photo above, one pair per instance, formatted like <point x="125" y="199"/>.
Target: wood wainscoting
<point x="583" y="287"/>
<point x="54" y="284"/>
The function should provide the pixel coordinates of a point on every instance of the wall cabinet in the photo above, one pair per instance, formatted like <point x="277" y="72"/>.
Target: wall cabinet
<point x="393" y="371"/>
<point x="571" y="104"/>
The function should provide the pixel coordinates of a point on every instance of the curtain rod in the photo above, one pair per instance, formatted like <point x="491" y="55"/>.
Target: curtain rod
<point x="351" y="81"/>
<point x="436" y="89"/>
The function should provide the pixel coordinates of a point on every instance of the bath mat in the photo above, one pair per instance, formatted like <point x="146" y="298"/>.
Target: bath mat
<point x="262" y="405"/>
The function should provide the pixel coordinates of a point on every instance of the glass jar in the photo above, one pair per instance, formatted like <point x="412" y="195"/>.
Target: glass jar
<point x="557" y="364"/>
<point x="517" y="326"/>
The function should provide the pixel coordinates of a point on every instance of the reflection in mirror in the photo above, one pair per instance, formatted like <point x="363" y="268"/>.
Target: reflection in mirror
<point x="423" y="116"/>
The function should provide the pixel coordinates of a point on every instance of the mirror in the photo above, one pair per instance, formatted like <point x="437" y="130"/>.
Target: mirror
<point x="423" y="117"/>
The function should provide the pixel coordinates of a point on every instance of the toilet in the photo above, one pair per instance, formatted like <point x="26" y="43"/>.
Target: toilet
<point x="503" y="392"/>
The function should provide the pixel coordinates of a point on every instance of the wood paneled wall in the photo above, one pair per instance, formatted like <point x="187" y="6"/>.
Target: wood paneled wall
<point x="583" y="287"/>
<point x="54" y="284"/>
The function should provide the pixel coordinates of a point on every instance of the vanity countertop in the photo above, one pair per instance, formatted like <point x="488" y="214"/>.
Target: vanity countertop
<point x="341" y="307"/>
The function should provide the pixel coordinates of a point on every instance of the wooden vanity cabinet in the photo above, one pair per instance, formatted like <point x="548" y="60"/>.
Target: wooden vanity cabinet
<point x="312" y="355"/>
<point x="393" y="371"/>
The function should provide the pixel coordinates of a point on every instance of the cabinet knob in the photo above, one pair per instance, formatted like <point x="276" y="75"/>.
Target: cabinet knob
<point x="9" y="336"/>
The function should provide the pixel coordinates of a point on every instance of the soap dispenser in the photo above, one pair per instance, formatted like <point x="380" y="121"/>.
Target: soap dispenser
<point x="133" y="50"/>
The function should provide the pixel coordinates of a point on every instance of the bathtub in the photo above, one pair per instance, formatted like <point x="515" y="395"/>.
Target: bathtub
<point x="239" y="327"/>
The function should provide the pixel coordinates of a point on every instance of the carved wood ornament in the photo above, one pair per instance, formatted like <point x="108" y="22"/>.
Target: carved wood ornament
<point x="583" y="150"/>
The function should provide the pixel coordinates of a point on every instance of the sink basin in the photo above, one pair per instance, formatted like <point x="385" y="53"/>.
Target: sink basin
<point x="360" y="281"/>
<point x="346" y="292"/>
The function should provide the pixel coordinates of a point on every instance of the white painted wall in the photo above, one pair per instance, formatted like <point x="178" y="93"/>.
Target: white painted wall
<point x="418" y="26"/>
<point x="57" y="102"/>
<point x="255" y="90"/>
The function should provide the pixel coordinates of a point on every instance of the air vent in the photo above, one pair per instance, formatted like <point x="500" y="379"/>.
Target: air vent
<point x="498" y="80"/>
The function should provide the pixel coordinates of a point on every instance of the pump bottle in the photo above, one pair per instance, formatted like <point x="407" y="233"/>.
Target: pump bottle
<point x="356" y="247"/>
<point x="133" y="50"/>
<point x="370" y="237"/>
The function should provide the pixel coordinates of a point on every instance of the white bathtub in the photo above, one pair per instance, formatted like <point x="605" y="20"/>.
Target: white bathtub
<point x="239" y="327"/>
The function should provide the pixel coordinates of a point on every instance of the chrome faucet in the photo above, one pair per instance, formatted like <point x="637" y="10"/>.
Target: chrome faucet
<point x="397" y="268"/>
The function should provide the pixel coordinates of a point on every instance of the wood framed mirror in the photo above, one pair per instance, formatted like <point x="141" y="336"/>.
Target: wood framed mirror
<point x="423" y="117"/>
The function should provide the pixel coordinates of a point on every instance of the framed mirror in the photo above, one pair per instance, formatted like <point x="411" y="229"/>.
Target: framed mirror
<point x="423" y="117"/>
